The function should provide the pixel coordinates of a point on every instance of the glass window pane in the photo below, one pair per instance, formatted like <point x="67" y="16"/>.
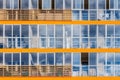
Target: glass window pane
<point x="1" y="4"/>
<point x="67" y="30"/>
<point x="76" y="30"/>
<point x="75" y="15"/>
<point x="1" y="58"/>
<point x="93" y="71"/>
<point x="33" y="58"/>
<point x="117" y="70"/>
<point x="67" y="4"/>
<point x="117" y="58"/>
<point x="101" y="4"/>
<point x="58" y="30"/>
<point x="76" y="71"/>
<point x="8" y="4"/>
<point x="59" y="4"/>
<point x="42" y="30"/>
<point x="117" y="31"/>
<point x="33" y="30"/>
<point x="110" y="58"/>
<point x="8" y="30"/>
<point x="1" y="30"/>
<point x="76" y="59"/>
<point x="25" y="4"/>
<point x="59" y="58"/>
<point x="117" y="14"/>
<point x="93" y="15"/>
<point x="67" y="58"/>
<point x="93" y="43"/>
<point x="110" y="30"/>
<point x="15" y="4"/>
<point x="50" y="58"/>
<point x="77" y="4"/>
<point x="93" y="30"/>
<point x="46" y="4"/>
<point x="42" y="58"/>
<point x="51" y="43"/>
<point x="101" y="59"/>
<point x="109" y="70"/>
<point x="34" y="4"/>
<point x="84" y="71"/>
<point x="84" y="15"/>
<point x="92" y="4"/>
<point x="101" y="30"/>
<point x="93" y="58"/>
<point x="16" y="59"/>
<point x="59" y="43"/>
<point x="25" y="31"/>
<point x="24" y="42"/>
<point x="118" y="4"/>
<point x="16" y="31"/>
<point x="24" y="58"/>
<point x="76" y="43"/>
<point x="84" y="31"/>
<point x="8" y="59"/>
<point x="84" y="43"/>
<point x="42" y="42"/>
<point x="50" y="30"/>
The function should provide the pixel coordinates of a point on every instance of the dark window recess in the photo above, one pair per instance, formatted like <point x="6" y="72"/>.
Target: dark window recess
<point x="86" y="4"/>
<point x="19" y="4"/>
<point x="84" y="58"/>
<point x="1" y="45"/>
<point x="40" y="4"/>
<point x="107" y="4"/>
<point x="52" y="3"/>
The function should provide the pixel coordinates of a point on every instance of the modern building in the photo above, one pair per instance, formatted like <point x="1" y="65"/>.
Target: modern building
<point x="59" y="36"/>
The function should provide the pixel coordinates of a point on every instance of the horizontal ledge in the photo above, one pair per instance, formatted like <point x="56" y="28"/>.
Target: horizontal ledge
<point x="52" y="50"/>
<point x="60" y="78"/>
<point x="58" y="22"/>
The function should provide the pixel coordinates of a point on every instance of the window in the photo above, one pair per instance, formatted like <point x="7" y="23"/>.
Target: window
<point x="67" y="58"/>
<point x="84" y="43"/>
<point x="8" y="59"/>
<point x="92" y="4"/>
<point x="110" y="58"/>
<point x="84" y="71"/>
<point x="117" y="31"/>
<point x="93" y="31"/>
<point x="8" y="30"/>
<point x="93" y="58"/>
<point x="101" y="4"/>
<point x="110" y="31"/>
<point x="77" y="4"/>
<point x="67" y="31"/>
<point x="15" y="4"/>
<point x="16" y="31"/>
<point x="76" y="71"/>
<point x="76" y="43"/>
<point x="84" y="15"/>
<point x="1" y="30"/>
<point x="67" y="4"/>
<point x="75" y="15"/>
<point x="101" y="59"/>
<point x="34" y="4"/>
<point x="33" y="30"/>
<point x="16" y="59"/>
<point x="76" y="58"/>
<point x="101" y="30"/>
<point x="117" y="14"/>
<point x="1" y="58"/>
<point x="50" y="30"/>
<point x="93" y="15"/>
<point x="24" y="42"/>
<point x="43" y="42"/>
<point x="117" y="58"/>
<point x="59" y="30"/>
<point x="46" y="4"/>
<point x="25" y="4"/>
<point x="33" y="58"/>
<point x="84" y="31"/>
<point x="112" y="4"/>
<point x="59" y="58"/>
<point x="59" y="43"/>
<point x="42" y="58"/>
<point x="84" y="58"/>
<point x="42" y="30"/>
<point x="51" y="43"/>
<point x="86" y="4"/>
<point x="24" y="58"/>
<point x="24" y="30"/>
<point x="8" y="4"/>
<point x="50" y="58"/>
<point x="1" y="4"/>
<point x="93" y="43"/>
<point x="59" y="4"/>
<point x="76" y="30"/>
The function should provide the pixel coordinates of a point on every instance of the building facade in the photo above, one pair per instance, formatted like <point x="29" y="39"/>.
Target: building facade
<point x="59" y="36"/>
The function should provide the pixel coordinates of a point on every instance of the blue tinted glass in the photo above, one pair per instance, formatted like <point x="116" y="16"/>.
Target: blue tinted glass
<point x="117" y="15"/>
<point x="25" y="4"/>
<point x="46" y="4"/>
<point x="42" y="59"/>
<point x="33" y="58"/>
<point x="1" y="3"/>
<point x="76" y="58"/>
<point x="16" y="59"/>
<point x="50" y="58"/>
<point x="59" y="58"/>
<point x="1" y="58"/>
<point x="84" y="15"/>
<point x="75" y="15"/>
<point x="8" y="59"/>
<point x="24" y="59"/>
